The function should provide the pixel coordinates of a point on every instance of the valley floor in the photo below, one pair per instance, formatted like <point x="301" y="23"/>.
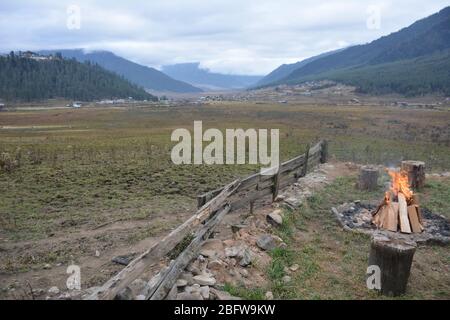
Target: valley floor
<point x="83" y="186"/>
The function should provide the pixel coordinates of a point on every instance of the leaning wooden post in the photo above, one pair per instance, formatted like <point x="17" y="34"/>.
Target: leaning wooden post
<point x="324" y="152"/>
<point x="305" y="165"/>
<point x="394" y="258"/>
<point x="416" y="173"/>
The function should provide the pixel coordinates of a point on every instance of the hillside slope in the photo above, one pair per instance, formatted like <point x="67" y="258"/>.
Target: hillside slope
<point x="411" y="77"/>
<point x="143" y="76"/>
<point x="425" y="36"/>
<point x="27" y="79"/>
<point x="286" y="69"/>
<point x="408" y="61"/>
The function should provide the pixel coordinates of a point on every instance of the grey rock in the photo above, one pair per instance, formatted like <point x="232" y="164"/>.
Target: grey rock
<point x="189" y="296"/>
<point x="294" y="267"/>
<point x="215" y="265"/>
<point x="286" y="279"/>
<point x="269" y="295"/>
<point x="125" y="294"/>
<point x="232" y="251"/>
<point x="246" y="258"/>
<point x="204" y="292"/>
<point x="188" y="277"/>
<point x="266" y="242"/>
<point x="53" y="290"/>
<point x="274" y="219"/>
<point x="181" y="283"/>
<point x="294" y="202"/>
<point x="204" y="280"/>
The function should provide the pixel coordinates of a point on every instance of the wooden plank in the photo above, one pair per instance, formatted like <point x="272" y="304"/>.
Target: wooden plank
<point x="293" y="164"/>
<point x="287" y="181"/>
<point x="403" y="213"/>
<point x="168" y="279"/>
<point x="204" y="198"/>
<point x="392" y="217"/>
<point x="245" y="199"/>
<point x="414" y="219"/>
<point x="110" y="289"/>
<point x="419" y="215"/>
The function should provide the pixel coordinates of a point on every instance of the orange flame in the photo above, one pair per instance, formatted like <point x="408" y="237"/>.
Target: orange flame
<point x="400" y="183"/>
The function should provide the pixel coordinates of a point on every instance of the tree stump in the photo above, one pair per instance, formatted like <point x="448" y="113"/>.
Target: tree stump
<point x="368" y="178"/>
<point x="416" y="173"/>
<point x="394" y="258"/>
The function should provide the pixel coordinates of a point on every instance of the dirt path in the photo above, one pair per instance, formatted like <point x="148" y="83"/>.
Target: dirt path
<point x="41" y="264"/>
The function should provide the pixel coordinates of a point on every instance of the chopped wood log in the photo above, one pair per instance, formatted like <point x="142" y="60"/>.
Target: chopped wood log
<point x="394" y="258"/>
<point x="114" y="285"/>
<point x="403" y="213"/>
<point x="415" y="201"/>
<point x="392" y="222"/>
<point x="416" y="173"/>
<point x="419" y="215"/>
<point x="368" y="178"/>
<point x="414" y="219"/>
<point x="384" y="217"/>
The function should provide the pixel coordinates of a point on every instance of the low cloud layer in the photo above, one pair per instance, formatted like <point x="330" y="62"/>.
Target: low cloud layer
<point x="228" y="36"/>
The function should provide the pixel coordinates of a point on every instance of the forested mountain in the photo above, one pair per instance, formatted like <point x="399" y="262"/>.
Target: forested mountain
<point x="148" y="78"/>
<point x="411" y="77"/>
<point x="286" y="69"/>
<point x="27" y="79"/>
<point x="386" y="64"/>
<point x="203" y="78"/>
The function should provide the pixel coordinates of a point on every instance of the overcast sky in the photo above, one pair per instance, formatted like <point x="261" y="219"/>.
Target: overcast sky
<point x="228" y="36"/>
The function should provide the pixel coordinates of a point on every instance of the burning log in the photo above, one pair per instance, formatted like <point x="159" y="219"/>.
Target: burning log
<point x="416" y="173"/>
<point x="404" y="213"/>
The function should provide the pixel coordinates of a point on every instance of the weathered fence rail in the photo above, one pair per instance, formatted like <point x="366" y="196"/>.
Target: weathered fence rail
<point x="212" y="207"/>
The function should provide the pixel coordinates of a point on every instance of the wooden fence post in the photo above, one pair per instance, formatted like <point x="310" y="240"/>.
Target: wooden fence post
<point x="324" y="152"/>
<point x="276" y="184"/>
<point x="305" y="166"/>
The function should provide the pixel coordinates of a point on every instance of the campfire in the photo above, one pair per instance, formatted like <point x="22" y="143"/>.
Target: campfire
<point x="400" y="209"/>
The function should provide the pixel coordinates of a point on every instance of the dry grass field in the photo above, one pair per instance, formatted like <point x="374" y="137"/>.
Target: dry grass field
<point x="77" y="181"/>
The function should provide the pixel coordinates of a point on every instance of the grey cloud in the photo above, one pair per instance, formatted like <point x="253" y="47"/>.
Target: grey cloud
<point x="230" y="36"/>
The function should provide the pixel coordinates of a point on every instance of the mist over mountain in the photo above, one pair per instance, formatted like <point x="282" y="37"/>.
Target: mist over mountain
<point x="205" y="79"/>
<point x="146" y="77"/>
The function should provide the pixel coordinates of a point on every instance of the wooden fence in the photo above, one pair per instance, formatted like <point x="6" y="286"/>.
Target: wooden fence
<point x="212" y="207"/>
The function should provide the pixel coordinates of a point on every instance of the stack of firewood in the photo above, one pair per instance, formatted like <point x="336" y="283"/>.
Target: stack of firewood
<point x="400" y="209"/>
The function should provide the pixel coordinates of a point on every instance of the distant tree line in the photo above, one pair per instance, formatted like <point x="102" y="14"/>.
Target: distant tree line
<point x="27" y="79"/>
